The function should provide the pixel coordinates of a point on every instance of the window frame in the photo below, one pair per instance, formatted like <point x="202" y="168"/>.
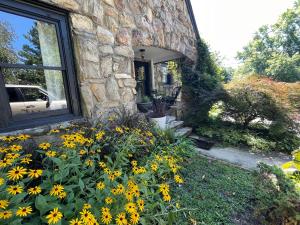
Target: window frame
<point x="60" y="18"/>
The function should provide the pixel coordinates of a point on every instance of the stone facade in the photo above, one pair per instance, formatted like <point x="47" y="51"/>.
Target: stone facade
<point x="104" y="33"/>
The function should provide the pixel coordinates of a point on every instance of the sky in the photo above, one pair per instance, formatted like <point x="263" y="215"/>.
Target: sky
<point x="20" y="25"/>
<point x="228" y="25"/>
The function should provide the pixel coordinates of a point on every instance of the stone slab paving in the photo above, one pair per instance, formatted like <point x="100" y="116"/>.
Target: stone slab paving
<point x="244" y="158"/>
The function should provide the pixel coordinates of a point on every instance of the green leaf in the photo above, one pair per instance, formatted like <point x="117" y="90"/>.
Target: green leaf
<point x="81" y="184"/>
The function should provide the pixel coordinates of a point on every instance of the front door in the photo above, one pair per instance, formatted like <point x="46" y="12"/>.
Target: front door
<point x="143" y="78"/>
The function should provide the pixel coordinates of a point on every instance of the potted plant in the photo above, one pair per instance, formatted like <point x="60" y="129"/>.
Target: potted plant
<point x="158" y="116"/>
<point x="145" y="105"/>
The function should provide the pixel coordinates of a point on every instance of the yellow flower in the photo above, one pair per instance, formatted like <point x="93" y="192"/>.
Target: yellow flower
<point x="54" y="216"/>
<point x="89" y="162"/>
<point x="45" y="145"/>
<point x="6" y="214"/>
<point x="54" y="131"/>
<point x="16" y="173"/>
<point x="100" y="135"/>
<point x="82" y="152"/>
<point x="69" y="144"/>
<point x="14" y="189"/>
<point x="121" y="219"/>
<point x="117" y="173"/>
<point x="177" y="205"/>
<point x="178" y="179"/>
<point x="5" y="162"/>
<point x="119" y="130"/>
<point x="167" y="197"/>
<point x="16" y="148"/>
<point x="87" y="206"/>
<point x="141" y="204"/>
<point x="34" y="190"/>
<point x="100" y="185"/>
<point x="23" y="137"/>
<point x="26" y="160"/>
<point x="57" y="190"/>
<point x="24" y="211"/>
<point x="75" y="222"/>
<point x="62" y="195"/>
<point x="51" y="153"/>
<point x="154" y="167"/>
<point x="12" y="155"/>
<point x="85" y="215"/>
<point x="4" y="204"/>
<point x="164" y="188"/>
<point x="134" y="218"/>
<point x="8" y="138"/>
<point x="107" y="171"/>
<point x="120" y="189"/>
<point x="134" y="163"/>
<point x="130" y="207"/>
<point x="35" y="173"/>
<point x="111" y="177"/>
<point x="2" y="181"/>
<point x="106" y="218"/>
<point x="129" y="195"/>
<point x="108" y="200"/>
<point x="102" y="165"/>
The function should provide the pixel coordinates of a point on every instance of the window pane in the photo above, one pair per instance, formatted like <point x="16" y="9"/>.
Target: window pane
<point x="33" y="91"/>
<point x="27" y="41"/>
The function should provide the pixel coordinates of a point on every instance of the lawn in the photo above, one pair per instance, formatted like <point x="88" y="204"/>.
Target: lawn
<point x="217" y="193"/>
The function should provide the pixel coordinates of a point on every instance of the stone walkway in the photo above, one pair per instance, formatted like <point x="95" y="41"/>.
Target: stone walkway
<point x="244" y="158"/>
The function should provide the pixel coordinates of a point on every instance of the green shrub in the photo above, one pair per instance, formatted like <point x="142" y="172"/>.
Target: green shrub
<point x="259" y="144"/>
<point x="277" y="201"/>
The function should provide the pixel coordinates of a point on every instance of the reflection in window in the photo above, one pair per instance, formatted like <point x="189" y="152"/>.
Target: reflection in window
<point x="30" y="97"/>
<point x="28" y="41"/>
<point x="31" y="42"/>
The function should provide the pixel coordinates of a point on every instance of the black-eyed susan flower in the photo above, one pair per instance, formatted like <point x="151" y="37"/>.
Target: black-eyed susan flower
<point x="119" y="130"/>
<point x="108" y="200"/>
<point x="134" y="218"/>
<point x="4" y="204"/>
<point x="45" y="145"/>
<point x="89" y="163"/>
<point x="106" y="218"/>
<point x="5" y="162"/>
<point x="62" y="195"/>
<point x="15" y="189"/>
<point x="57" y="190"/>
<point x="141" y="204"/>
<point x="87" y="206"/>
<point x="34" y="190"/>
<point x="178" y="179"/>
<point x="6" y="214"/>
<point x="134" y="163"/>
<point x="121" y="219"/>
<point x="51" y="153"/>
<point x="2" y="181"/>
<point x="69" y="144"/>
<point x="100" y="135"/>
<point x="35" y="173"/>
<point x="54" y="216"/>
<point x="100" y="185"/>
<point x="75" y="222"/>
<point x="130" y="207"/>
<point x="16" y="148"/>
<point x="24" y="211"/>
<point x="167" y="197"/>
<point x="154" y="167"/>
<point x="164" y="188"/>
<point x="16" y="173"/>
<point x="129" y="195"/>
<point x="26" y="160"/>
<point x="54" y="131"/>
<point x="102" y="165"/>
<point x="12" y="156"/>
<point x="23" y="137"/>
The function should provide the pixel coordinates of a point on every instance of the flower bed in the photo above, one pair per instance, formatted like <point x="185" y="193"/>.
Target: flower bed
<point x="108" y="174"/>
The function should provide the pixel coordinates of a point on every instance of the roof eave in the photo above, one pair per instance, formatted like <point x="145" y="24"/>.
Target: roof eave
<point x="192" y="16"/>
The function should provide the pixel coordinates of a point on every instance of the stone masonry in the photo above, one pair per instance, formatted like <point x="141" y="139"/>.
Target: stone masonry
<point x="104" y="33"/>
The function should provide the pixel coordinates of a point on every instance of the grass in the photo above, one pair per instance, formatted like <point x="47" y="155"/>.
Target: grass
<point x="218" y="193"/>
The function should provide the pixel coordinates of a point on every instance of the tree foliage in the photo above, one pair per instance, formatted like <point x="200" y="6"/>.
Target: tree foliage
<point x="275" y="50"/>
<point x="7" y="35"/>
<point x="201" y="85"/>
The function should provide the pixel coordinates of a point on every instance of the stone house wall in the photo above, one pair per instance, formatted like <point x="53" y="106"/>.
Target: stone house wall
<point x="104" y="33"/>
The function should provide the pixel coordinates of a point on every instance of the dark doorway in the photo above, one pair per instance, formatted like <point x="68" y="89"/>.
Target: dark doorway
<point x="143" y="78"/>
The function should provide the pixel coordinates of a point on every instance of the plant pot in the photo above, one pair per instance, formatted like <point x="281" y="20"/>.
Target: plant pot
<point x="144" y="107"/>
<point x="160" y="122"/>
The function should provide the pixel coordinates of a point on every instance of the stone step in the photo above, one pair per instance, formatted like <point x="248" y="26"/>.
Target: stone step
<point x="175" y="124"/>
<point x="183" y="132"/>
<point x="170" y="119"/>
<point x="201" y="142"/>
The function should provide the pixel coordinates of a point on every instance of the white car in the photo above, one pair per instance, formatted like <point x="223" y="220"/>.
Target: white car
<point x="32" y="99"/>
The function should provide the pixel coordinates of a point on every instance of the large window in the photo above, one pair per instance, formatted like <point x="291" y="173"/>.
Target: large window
<point x="37" y="79"/>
